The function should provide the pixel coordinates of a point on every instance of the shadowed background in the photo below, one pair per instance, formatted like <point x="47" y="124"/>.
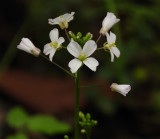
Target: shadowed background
<point x="40" y="87"/>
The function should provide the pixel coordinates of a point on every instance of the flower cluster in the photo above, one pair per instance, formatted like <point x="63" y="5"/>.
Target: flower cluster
<point x="81" y="47"/>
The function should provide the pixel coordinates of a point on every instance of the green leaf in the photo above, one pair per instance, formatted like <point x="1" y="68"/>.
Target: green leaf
<point x="17" y="117"/>
<point x="18" y="136"/>
<point x="47" y="125"/>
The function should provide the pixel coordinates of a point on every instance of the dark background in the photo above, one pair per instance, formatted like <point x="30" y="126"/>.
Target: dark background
<point x="133" y="117"/>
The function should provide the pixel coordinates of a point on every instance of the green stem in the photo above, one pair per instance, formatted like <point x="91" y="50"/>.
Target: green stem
<point x="58" y="66"/>
<point x="76" y="128"/>
<point x="100" y="48"/>
<point x="67" y="34"/>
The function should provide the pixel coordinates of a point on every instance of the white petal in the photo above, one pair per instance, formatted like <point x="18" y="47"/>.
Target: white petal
<point x="122" y="89"/>
<point x="68" y="17"/>
<point x="74" y="48"/>
<point x="54" y="35"/>
<point x="89" y="47"/>
<point x="110" y="15"/>
<point x="52" y="52"/>
<point x="60" y="41"/>
<point x="54" y="21"/>
<point x="91" y="62"/>
<point x="115" y="51"/>
<point x="74" y="65"/>
<point x="111" y="38"/>
<point x="24" y="48"/>
<point x="112" y="55"/>
<point x="108" y="22"/>
<point x="27" y="42"/>
<point x="47" y="49"/>
<point x="117" y="20"/>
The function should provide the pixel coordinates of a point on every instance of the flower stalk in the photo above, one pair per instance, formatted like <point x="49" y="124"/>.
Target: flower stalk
<point x="67" y="34"/>
<point x="99" y="38"/>
<point x="76" y="129"/>
<point x="58" y="66"/>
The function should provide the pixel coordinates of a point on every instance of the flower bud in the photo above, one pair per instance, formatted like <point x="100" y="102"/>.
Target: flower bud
<point x="108" y="22"/>
<point x="122" y="89"/>
<point x="27" y="46"/>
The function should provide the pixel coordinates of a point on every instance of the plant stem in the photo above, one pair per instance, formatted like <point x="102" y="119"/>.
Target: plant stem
<point x="76" y="128"/>
<point x="67" y="34"/>
<point x="58" y="66"/>
<point x="99" y="38"/>
<point x="100" y="48"/>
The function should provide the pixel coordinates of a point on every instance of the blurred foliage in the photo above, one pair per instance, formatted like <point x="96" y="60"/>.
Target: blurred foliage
<point x="47" y="125"/>
<point x="21" y="121"/>
<point x="18" y="136"/>
<point x="106" y="105"/>
<point x="17" y="117"/>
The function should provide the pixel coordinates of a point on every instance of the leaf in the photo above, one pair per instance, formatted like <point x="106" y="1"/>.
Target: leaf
<point x="47" y="125"/>
<point x="17" y="117"/>
<point x="17" y="136"/>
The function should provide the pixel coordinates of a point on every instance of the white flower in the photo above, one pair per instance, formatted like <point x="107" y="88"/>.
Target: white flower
<point x="122" y="89"/>
<point x="62" y="20"/>
<point x="82" y="55"/>
<point x="108" y="22"/>
<point x="27" y="46"/>
<point x="111" y="39"/>
<point x="50" y="48"/>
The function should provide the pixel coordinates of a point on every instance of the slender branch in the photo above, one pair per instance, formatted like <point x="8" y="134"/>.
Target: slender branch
<point x="67" y="34"/>
<point x="100" y="48"/>
<point x="76" y="128"/>
<point x="99" y="38"/>
<point x="58" y="66"/>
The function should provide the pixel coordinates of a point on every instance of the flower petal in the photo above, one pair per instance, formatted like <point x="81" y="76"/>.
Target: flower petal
<point x="68" y="17"/>
<point x="111" y="38"/>
<point x="60" y="41"/>
<point x="74" y="65"/>
<point x="74" y="48"/>
<point x="27" y="42"/>
<point x="91" y="62"/>
<point x="47" y="49"/>
<point x="23" y="48"/>
<point x="89" y="47"/>
<point x="115" y="51"/>
<point x="52" y="52"/>
<point x="54" y="21"/>
<point x="54" y="35"/>
<point x="112" y="55"/>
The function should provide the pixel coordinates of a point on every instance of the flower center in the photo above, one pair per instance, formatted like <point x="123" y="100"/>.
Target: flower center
<point x="63" y="24"/>
<point x="55" y="44"/>
<point x="82" y="57"/>
<point x="107" y="46"/>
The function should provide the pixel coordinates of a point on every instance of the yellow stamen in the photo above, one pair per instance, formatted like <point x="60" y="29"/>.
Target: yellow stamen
<point x="82" y="57"/>
<point x="55" y="44"/>
<point x="107" y="46"/>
